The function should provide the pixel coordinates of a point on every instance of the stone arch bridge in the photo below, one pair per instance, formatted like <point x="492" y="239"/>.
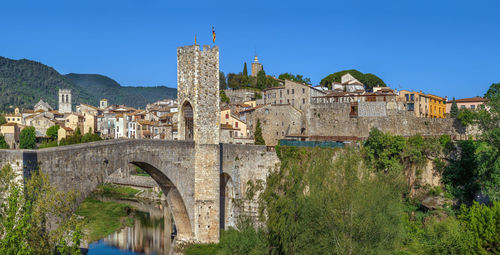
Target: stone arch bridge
<point x="171" y="164"/>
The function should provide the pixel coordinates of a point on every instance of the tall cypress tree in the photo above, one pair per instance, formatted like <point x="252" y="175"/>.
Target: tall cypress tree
<point x="245" y="72"/>
<point x="259" y="140"/>
<point x="244" y="76"/>
<point x="454" y="109"/>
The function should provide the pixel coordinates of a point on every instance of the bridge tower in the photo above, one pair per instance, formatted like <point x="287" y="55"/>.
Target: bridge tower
<point x="199" y="117"/>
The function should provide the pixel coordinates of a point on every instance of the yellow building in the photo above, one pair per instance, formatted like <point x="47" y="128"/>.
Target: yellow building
<point x="230" y="120"/>
<point x="423" y="105"/>
<point x="437" y="106"/>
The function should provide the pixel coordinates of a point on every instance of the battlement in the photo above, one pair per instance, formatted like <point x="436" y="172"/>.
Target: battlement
<point x="196" y="47"/>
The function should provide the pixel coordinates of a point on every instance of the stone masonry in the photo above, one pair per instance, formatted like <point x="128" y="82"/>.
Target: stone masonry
<point x="198" y="89"/>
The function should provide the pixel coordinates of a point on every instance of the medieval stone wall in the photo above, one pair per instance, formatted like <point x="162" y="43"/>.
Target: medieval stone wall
<point x="333" y="119"/>
<point x="243" y="164"/>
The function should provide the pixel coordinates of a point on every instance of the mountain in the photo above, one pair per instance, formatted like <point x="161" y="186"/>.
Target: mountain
<point x="24" y="82"/>
<point x="100" y="86"/>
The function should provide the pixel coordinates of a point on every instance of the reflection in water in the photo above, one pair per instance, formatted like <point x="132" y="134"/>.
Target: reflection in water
<point x="151" y="233"/>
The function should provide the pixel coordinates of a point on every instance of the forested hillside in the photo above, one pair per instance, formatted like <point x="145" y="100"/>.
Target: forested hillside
<point x="24" y="82"/>
<point x="100" y="86"/>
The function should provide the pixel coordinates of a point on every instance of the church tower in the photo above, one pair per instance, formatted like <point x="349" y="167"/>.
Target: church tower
<point x="199" y="121"/>
<point x="65" y="101"/>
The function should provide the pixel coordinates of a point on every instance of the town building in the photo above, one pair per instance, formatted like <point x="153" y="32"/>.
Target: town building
<point x="10" y="132"/>
<point x="42" y="105"/>
<point x="64" y="132"/>
<point x="423" y="105"/>
<point x="466" y="103"/>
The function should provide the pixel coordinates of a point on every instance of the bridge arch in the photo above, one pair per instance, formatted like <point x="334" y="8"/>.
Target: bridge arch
<point x="174" y="199"/>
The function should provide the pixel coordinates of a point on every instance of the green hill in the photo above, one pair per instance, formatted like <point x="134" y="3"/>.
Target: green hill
<point x="23" y="82"/>
<point x="99" y="86"/>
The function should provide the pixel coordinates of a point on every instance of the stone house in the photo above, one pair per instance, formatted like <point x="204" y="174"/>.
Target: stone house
<point x="277" y="121"/>
<point x="11" y="131"/>
<point x="75" y="121"/>
<point x="41" y="123"/>
<point x="294" y="93"/>
<point x="42" y="105"/>
<point x="64" y="132"/>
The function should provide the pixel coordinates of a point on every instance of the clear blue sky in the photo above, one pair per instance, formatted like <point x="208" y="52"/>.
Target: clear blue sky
<point x="445" y="47"/>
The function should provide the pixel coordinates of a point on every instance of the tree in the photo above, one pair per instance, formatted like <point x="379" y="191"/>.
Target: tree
<point x="368" y="79"/>
<point x="223" y="97"/>
<point x="259" y="140"/>
<point x="222" y="81"/>
<point x="52" y="132"/>
<point x="2" y="120"/>
<point x="234" y="80"/>
<point x="297" y="78"/>
<point x="27" y="138"/>
<point x="483" y="222"/>
<point x="245" y="71"/>
<point x="26" y="211"/>
<point x="317" y="205"/>
<point x="454" y="109"/>
<point x="261" y="80"/>
<point x="3" y="143"/>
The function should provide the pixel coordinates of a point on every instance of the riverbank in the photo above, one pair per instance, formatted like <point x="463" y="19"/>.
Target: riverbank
<point x="102" y="218"/>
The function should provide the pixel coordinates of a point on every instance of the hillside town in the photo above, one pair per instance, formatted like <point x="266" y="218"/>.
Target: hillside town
<point x="292" y="111"/>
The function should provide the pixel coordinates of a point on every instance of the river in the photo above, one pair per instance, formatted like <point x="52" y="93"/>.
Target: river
<point x="151" y="232"/>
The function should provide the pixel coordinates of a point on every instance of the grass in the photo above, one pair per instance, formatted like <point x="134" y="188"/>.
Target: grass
<point x="103" y="218"/>
<point x="116" y="191"/>
<point x="202" y="249"/>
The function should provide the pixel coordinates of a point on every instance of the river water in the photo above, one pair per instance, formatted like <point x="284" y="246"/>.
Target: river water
<point x="151" y="232"/>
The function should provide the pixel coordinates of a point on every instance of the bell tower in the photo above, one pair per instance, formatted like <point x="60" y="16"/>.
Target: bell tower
<point x="65" y="101"/>
<point x="199" y="117"/>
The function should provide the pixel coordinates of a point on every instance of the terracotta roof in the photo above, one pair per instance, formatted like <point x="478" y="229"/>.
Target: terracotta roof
<point x="67" y="128"/>
<point x="227" y="126"/>
<point x="10" y="124"/>
<point x="93" y="107"/>
<point x="469" y="100"/>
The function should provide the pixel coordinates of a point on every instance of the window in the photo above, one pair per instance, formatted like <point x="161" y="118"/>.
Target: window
<point x="303" y="100"/>
<point x="407" y="97"/>
<point x="412" y="97"/>
<point x="473" y="107"/>
<point x="287" y="91"/>
<point x="282" y="123"/>
<point x="227" y="115"/>
<point x="303" y="90"/>
<point x="293" y="91"/>
<point x="462" y="107"/>
<point x="236" y="124"/>
<point x="281" y="93"/>
<point x="288" y="100"/>
<point x="231" y="134"/>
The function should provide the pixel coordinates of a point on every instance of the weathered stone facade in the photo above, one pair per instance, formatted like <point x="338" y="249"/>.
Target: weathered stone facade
<point x="199" y="120"/>
<point x="277" y="121"/>
<point x="334" y="119"/>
